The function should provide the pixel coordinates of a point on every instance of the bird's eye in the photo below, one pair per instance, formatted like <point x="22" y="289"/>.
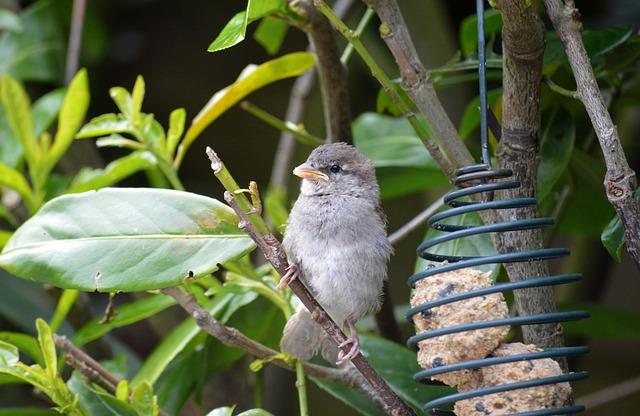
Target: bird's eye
<point x="335" y="168"/>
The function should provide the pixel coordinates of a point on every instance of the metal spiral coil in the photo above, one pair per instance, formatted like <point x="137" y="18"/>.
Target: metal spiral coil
<point x="482" y="181"/>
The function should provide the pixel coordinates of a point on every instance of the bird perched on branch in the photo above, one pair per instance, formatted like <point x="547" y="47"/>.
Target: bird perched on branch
<point x="337" y="244"/>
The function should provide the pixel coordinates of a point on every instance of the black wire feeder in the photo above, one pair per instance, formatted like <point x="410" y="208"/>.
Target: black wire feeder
<point x="483" y="181"/>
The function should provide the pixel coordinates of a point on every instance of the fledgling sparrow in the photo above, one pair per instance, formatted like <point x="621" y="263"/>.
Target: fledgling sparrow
<point x="337" y="244"/>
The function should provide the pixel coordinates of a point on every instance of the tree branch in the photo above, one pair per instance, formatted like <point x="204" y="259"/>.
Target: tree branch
<point x="416" y="221"/>
<point x="620" y="180"/>
<point x="523" y="50"/>
<point x="274" y="253"/>
<point x="416" y="81"/>
<point x="75" y="39"/>
<point x="331" y="71"/>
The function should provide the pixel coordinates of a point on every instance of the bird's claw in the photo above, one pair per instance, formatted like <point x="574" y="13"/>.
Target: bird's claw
<point x="291" y="275"/>
<point x="354" y="341"/>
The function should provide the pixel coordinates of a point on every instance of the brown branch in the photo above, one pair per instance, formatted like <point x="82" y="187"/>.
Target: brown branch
<point x="416" y="81"/>
<point x="281" y="170"/>
<point x="416" y="221"/>
<point x="89" y="367"/>
<point x="611" y="393"/>
<point x="331" y="71"/>
<point x="523" y="49"/>
<point x="274" y="253"/>
<point x="620" y="180"/>
<point x="75" y="39"/>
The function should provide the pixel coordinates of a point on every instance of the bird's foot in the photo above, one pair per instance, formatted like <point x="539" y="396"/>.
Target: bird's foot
<point x="291" y="275"/>
<point x="354" y="341"/>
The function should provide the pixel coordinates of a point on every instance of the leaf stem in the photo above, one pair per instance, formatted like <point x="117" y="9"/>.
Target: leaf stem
<point x="301" y="386"/>
<point x="362" y="25"/>
<point x="560" y="90"/>
<point x="296" y="130"/>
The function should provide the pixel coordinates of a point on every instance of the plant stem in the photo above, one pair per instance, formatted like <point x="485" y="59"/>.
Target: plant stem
<point x="171" y="175"/>
<point x="296" y="130"/>
<point x="301" y="386"/>
<point x="557" y="88"/>
<point x="388" y="86"/>
<point x="362" y="25"/>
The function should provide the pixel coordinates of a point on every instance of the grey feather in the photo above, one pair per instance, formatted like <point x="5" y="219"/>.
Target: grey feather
<point x="336" y="235"/>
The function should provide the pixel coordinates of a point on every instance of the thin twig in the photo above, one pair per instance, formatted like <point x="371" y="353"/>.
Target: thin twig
<point x="362" y="25"/>
<point x="274" y="253"/>
<point x="416" y="221"/>
<point x="281" y="170"/>
<point x="620" y="180"/>
<point x="332" y="73"/>
<point x="611" y="393"/>
<point x="296" y="130"/>
<point x="88" y="367"/>
<point x="75" y="39"/>
<point x="416" y="82"/>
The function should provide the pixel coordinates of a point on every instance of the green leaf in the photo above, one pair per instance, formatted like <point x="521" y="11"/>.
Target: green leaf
<point x="137" y="96"/>
<point x="604" y="322"/>
<point x="11" y="151"/>
<point x="8" y="356"/>
<point x="125" y="315"/>
<point x="96" y="403"/>
<point x="65" y="303"/>
<point x="17" y="108"/>
<point x="175" y="342"/>
<point x="123" y="100"/>
<point x="221" y="411"/>
<point x="104" y="125"/>
<point x="176" y="128"/>
<point x="28" y="411"/>
<point x="397" y="365"/>
<point x="10" y="21"/>
<point x="74" y="108"/>
<point x="597" y="43"/>
<point x="13" y="179"/>
<point x="235" y="30"/>
<point x="255" y="412"/>
<point x="124" y="240"/>
<point x="4" y="237"/>
<point x="251" y="79"/>
<point x="271" y="33"/>
<point x="477" y="245"/>
<point x="471" y="116"/>
<point x="613" y="237"/>
<point x="45" y="110"/>
<point x="232" y="34"/>
<point x="469" y="30"/>
<point x="48" y="348"/>
<point x="26" y="344"/>
<point x="88" y="179"/>
<point x="556" y="147"/>
<point x="144" y="401"/>
<point x="37" y="52"/>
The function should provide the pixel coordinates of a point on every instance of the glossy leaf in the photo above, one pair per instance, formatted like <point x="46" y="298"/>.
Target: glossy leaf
<point x="556" y="147"/>
<point x="137" y="96"/>
<point x="124" y="240"/>
<point x="144" y="401"/>
<point x="26" y="344"/>
<point x="37" y="52"/>
<point x="613" y="237"/>
<point x="477" y="245"/>
<point x="74" y="107"/>
<point x="97" y="403"/>
<point x="251" y="79"/>
<point x="397" y="365"/>
<point x="176" y="128"/>
<point x="48" y="348"/>
<point x="89" y="179"/>
<point x="10" y="21"/>
<point x="125" y="315"/>
<point x="221" y="411"/>
<point x="255" y="412"/>
<point x="104" y="125"/>
<point x="469" y="30"/>
<point x="270" y="33"/>
<point x="596" y="42"/>
<point x="8" y="356"/>
<point x="17" y="108"/>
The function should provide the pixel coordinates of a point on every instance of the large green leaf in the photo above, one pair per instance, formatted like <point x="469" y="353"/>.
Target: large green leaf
<point x="252" y="78"/>
<point x="271" y="33"/>
<point x="397" y="365"/>
<point x="235" y="30"/>
<point x="597" y="43"/>
<point x="89" y="179"/>
<point x="477" y="245"/>
<point x="469" y="30"/>
<point x="613" y="234"/>
<point x="37" y="52"/>
<point x="402" y="163"/>
<point x="556" y="147"/>
<point x="124" y="240"/>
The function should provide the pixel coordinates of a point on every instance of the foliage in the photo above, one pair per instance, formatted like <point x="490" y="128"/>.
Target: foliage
<point x="81" y="234"/>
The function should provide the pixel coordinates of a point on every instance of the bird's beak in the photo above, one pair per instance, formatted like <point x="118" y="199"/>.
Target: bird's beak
<point x="304" y="171"/>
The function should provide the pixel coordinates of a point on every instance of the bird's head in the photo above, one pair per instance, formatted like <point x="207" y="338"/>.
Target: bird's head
<point x="338" y="169"/>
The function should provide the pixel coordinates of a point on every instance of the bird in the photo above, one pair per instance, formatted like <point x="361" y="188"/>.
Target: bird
<point x="337" y="245"/>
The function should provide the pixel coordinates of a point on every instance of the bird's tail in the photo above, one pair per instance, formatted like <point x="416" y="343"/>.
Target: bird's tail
<point x="302" y="336"/>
